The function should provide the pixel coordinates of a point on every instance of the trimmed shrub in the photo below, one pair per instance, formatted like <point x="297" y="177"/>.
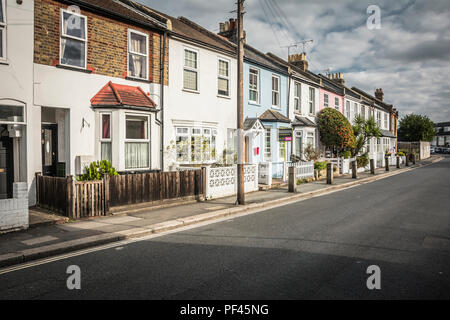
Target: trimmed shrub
<point x="335" y="130"/>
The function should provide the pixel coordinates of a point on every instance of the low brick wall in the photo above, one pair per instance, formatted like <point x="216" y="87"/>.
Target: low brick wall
<point x="14" y="212"/>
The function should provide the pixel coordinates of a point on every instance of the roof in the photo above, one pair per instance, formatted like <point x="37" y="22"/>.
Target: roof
<point x="123" y="9"/>
<point x="442" y="124"/>
<point x="296" y="71"/>
<point x="273" y="116"/>
<point x="249" y="123"/>
<point x="118" y="95"/>
<point x="388" y="107"/>
<point x="387" y="133"/>
<point x="331" y="85"/>
<point x="253" y="55"/>
<point x="303" y="122"/>
<point x="188" y="29"/>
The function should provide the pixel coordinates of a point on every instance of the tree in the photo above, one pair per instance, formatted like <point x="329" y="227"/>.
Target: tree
<point x="335" y="130"/>
<point x="415" y="127"/>
<point x="363" y="131"/>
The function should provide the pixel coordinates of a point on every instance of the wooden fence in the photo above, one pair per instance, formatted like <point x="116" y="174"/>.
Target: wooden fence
<point x="155" y="186"/>
<point x="76" y="199"/>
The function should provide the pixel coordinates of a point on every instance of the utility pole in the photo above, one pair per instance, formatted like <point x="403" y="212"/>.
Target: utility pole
<point x="240" y="104"/>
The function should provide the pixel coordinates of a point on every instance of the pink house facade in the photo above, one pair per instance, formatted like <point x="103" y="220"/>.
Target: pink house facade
<point x="331" y="95"/>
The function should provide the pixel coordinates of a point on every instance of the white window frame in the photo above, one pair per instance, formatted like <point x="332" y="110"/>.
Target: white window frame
<point x="326" y="100"/>
<point x="385" y="121"/>
<point x="347" y="109"/>
<point x="146" y="140"/>
<point x="252" y="88"/>
<point x="268" y="149"/>
<point x="312" y="101"/>
<point x="276" y="92"/>
<point x="227" y="78"/>
<point x="24" y="114"/>
<point x="63" y="36"/>
<point x="196" y="70"/>
<point x="4" y="31"/>
<point x="105" y="140"/>
<point x="297" y="98"/>
<point x="208" y="132"/>
<point x="310" y="135"/>
<point x="130" y="31"/>
<point x="337" y="104"/>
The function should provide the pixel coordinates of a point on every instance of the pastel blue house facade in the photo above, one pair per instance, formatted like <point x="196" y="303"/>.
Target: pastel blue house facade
<point x="266" y="110"/>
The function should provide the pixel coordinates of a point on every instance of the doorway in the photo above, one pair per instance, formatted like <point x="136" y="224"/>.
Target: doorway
<point x="6" y="164"/>
<point x="49" y="149"/>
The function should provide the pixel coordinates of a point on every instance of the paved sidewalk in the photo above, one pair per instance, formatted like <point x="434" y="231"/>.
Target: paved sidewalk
<point x="47" y="240"/>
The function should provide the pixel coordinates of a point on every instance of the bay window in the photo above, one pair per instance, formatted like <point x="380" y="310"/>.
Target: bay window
<point x="254" y="85"/>
<point x="310" y="139"/>
<point x="223" y="78"/>
<point x="105" y="137"/>
<point x="297" y="101"/>
<point x="190" y="71"/>
<point x="137" y="55"/>
<point x="268" y="145"/>
<point x="137" y="142"/>
<point x="2" y="29"/>
<point x="275" y="91"/>
<point x="73" y="40"/>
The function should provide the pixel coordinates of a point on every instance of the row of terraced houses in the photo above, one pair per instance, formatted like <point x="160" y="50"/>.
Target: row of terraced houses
<point x="86" y="80"/>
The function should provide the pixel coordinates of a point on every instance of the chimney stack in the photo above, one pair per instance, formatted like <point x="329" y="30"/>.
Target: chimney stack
<point x="379" y="94"/>
<point x="299" y="60"/>
<point x="338" y="77"/>
<point x="229" y="29"/>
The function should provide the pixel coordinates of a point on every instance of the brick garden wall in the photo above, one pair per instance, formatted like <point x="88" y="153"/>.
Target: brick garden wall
<point x="107" y="42"/>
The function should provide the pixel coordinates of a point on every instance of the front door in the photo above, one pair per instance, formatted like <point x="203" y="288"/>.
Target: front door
<point x="49" y="149"/>
<point x="6" y="163"/>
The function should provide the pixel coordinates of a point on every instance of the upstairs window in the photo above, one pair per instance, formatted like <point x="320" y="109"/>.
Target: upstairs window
<point x="363" y="112"/>
<point x="224" y="78"/>
<point x="190" y="75"/>
<point x="253" y="85"/>
<point x="297" y="90"/>
<point x="137" y="55"/>
<point x="312" y="101"/>
<point x="347" y="110"/>
<point x="379" y="118"/>
<point x="275" y="91"/>
<point x="336" y="103"/>
<point x="386" y="121"/>
<point x="356" y="110"/>
<point x="2" y="30"/>
<point x="73" y="39"/>
<point x="325" y="100"/>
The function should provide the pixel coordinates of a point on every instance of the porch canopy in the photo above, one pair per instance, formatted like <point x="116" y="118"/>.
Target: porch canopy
<point x="123" y="96"/>
<point x="303" y="122"/>
<point x="387" y="134"/>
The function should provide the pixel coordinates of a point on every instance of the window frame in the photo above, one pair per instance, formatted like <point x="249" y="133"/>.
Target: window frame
<point x="227" y="78"/>
<point x="347" y="110"/>
<point x="212" y="135"/>
<point x="196" y="70"/>
<point x="138" y="53"/>
<point x="105" y="140"/>
<point x="62" y="36"/>
<point x="146" y="140"/>
<point x="337" y="104"/>
<point x="326" y="100"/>
<point x="312" y="101"/>
<point x="4" y="32"/>
<point x="277" y="92"/>
<point x="268" y="148"/>
<point x="250" y="73"/>
<point x="297" y="98"/>
<point x="312" y="136"/>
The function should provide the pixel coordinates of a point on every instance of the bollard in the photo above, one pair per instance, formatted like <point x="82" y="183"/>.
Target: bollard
<point x="372" y="166"/>
<point x="330" y="174"/>
<point x="414" y="159"/>
<point x="354" y="170"/>
<point x="292" y="179"/>
<point x="398" y="162"/>
<point x="407" y="160"/>
<point x="386" y="163"/>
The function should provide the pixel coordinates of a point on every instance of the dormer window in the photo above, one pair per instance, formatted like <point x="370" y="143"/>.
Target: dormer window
<point x="73" y="41"/>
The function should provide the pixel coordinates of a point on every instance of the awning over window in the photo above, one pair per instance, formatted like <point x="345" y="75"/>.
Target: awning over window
<point x="388" y="134"/>
<point x="122" y="96"/>
<point x="303" y="122"/>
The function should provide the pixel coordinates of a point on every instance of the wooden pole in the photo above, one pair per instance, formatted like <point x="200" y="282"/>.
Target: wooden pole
<point x="240" y="103"/>
<point x="372" y="166"/>
<point x="292" y="179"/>
<point x="330" y="173"/>
<point x="386" y="163"/>
<point x="354" y="170"/>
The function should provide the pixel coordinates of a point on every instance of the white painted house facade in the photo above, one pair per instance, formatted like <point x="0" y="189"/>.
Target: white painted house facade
<point x="200" y="113"/>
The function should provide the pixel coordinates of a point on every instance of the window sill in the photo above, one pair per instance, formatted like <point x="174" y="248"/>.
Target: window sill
<point x="254" y="103"/>
<point x="4" y="62"/>
<point x="59" y="66"/>
<point x="191" y="91"/>
<point x="222" y="96"/>
<point x="138" y="79"/>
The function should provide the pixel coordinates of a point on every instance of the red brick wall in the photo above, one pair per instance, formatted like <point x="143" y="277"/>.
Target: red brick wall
<point x="107" y="42"/>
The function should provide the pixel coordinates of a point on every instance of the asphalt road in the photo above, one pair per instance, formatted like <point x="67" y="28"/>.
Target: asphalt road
<point x="315" y="249"/>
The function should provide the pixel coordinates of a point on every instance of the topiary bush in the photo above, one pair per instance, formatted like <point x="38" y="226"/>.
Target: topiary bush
<point x="96" y="170"/>
<point x="335" y="130"/>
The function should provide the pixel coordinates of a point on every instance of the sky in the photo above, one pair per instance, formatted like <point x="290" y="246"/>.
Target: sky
<point x="408" y="56"/>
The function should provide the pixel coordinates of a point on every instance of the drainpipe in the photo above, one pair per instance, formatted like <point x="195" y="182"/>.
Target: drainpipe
<point x="163" y="65"/>
<point x="288" y="109"/>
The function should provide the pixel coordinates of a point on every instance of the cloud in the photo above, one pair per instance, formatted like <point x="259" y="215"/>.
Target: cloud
<point x="409" y="57"/>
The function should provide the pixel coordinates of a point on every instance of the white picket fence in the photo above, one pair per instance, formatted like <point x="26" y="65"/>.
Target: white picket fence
<point x="222" y="181"/>
<point x="303" y="170"/>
